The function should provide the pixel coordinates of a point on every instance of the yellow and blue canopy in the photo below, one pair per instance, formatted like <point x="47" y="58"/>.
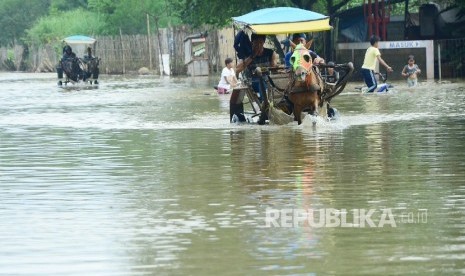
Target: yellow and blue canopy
<point x="283" y="20"/>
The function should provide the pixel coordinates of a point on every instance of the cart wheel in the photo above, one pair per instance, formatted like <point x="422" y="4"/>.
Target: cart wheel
<point x="60" y="83"/>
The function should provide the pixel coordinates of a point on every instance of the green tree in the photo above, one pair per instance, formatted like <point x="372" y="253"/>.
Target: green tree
<point x="46" y="20"/>
<point x="18" y="15"/>
<point x="219" y="12"/>
<point x="66" y="5"/>
<point x="131" y="15"/>
<point x="55" y="27"/>
<point x="104" y="7"/>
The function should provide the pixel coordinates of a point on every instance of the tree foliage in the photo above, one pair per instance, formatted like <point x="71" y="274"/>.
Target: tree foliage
<point x="18" y="15"/>
<point x="66" y="5"/>
<point x="54" y="28"/>
<point x="49" y="19"/>
<point x="130" y="16"/>
<point x="218" y="12"/>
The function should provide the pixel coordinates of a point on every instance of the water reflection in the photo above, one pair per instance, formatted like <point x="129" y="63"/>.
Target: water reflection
<point x="147" y="176"/>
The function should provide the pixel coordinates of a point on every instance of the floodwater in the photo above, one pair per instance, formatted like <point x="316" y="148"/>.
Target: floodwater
<point x="146" y="176"/>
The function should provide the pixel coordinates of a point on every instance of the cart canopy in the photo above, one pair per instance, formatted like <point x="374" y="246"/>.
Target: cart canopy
<point x="79" y="39"/>
<point x="283" y="20"/>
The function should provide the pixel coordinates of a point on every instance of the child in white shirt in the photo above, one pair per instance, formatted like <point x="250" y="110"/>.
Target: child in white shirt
<point x="228" y="78"/>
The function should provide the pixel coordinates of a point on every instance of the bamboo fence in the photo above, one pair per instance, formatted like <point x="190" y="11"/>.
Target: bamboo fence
<point x="125" y="54"/>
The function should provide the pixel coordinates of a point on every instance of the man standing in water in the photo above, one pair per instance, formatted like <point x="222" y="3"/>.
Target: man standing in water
<point x="369" y="64"/>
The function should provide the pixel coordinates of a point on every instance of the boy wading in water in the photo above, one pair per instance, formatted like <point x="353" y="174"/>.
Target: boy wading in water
<point x="369" y="64"/>
<point x="411" y="71"/>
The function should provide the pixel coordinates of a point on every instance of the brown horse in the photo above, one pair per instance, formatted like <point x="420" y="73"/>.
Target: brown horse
<point x="305" y="87"/>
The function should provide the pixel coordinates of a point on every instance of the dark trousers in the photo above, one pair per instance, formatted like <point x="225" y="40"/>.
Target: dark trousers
<point x="370" y="80"/>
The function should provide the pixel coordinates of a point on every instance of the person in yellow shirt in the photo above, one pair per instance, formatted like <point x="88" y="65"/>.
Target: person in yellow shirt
<point x="369" y="64"/>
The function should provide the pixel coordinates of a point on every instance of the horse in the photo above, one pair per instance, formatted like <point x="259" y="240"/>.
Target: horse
<point x="306" y="85"/>
<point x="91" y="69"/>
<point x="77" y="69"/>
<point x="307" y="90"/>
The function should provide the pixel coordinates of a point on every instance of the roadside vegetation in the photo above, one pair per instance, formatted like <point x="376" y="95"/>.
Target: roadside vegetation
<point x="43" y="21"/>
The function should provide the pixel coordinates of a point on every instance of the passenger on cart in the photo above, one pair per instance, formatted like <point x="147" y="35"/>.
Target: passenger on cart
<point x="331" y="76"/>
<point x="296" y="40"/>
<point x="68" y="52"/>
<point x="260" y="57"/>
<point x="88" y="55"/>
<point x="70" y="64"/>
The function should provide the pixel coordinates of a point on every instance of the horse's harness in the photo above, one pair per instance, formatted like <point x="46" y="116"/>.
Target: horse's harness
<point x="302" y="65"/>
<point x="302" y="70"/>
<point x="292" y="88"/>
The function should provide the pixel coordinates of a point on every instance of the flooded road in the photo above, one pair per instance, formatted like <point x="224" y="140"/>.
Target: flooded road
<point x="146" y="176"/>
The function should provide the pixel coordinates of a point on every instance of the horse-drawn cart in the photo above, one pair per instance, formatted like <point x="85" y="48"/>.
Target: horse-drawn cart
<point x="288" y="91"/>
<point x="72" y="68"/>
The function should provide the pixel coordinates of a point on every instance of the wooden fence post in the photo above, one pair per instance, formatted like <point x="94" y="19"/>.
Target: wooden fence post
<point x="122" y="50"/>
<point x="160" y="51"/>
<point x="150" y="42"/>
